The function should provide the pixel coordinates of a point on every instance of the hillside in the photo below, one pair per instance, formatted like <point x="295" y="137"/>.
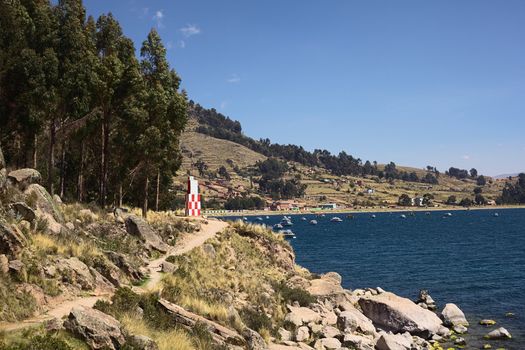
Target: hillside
<point x="239" y="154"/>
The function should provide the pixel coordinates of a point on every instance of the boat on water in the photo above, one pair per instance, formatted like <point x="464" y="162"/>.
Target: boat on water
<point x="496" y="214"/>
<point x="336" y="219"/>
<point x="267" y="217"/>
<point x="373" y="216"/>
<point x="245" y="218"/>
<point x="286" y="222"/>
<point x="313" y="222"/>
<point x="303" y="218"/>
<point x="403" y="216"/>
<point x="447" y="214"/>
<point x="287" y="233"/>
<point x="259" y="218"/>
<point x="278" y="227"/>
<point x="427" y="213"/>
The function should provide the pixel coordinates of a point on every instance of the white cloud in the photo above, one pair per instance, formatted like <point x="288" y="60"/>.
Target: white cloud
<point x="159" y="15"/>
<point x="234" y="79"/>
<point x="466" y="157"/>
<point x="190" y="30"/>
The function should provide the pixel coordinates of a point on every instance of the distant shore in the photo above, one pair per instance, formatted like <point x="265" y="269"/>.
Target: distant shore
<point x="360" y="210"/>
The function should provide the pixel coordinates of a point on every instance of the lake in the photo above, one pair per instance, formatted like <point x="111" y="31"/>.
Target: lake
<point x="473" y="258"/>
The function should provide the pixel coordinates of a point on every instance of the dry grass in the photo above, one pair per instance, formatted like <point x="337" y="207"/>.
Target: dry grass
<point x="164" y="339"/>
<point x="45" y="245"/>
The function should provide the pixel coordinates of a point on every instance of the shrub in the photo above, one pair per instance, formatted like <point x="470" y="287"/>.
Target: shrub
<point x="40" y="342"/>
<point x="255" y="320"/>
<point x="290" y="295"/>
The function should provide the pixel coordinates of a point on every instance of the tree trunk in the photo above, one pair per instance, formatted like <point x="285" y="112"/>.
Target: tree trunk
<point x="106" y="159"/>
<point x="157" y="191"/>
<point x="145" y="202"/>
<point x="120" y="195"/>
<point x="51" y="158"/>
<point x="102" y="198"/>
<point x="63" y="169"/>
<point x="35" y="146"/>
<point x="80" y="184"/>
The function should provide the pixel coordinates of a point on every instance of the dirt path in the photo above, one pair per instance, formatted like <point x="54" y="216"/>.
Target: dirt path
<point x="189" y="242"/>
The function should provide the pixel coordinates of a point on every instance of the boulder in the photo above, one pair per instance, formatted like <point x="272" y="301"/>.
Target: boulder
<point x="352" y="320"/>
<point x="399" y="314"/>
<point x="57" y="199"/>
<point x="327" y="343"/>
<point x="500" y="333"/>
<point x="77" y="271"/>
<point x="328" y="285"/>
<point x="16" y="266"/>
<point x="98" y="330"/>
<point x="359" y="342"/>
<point x="460" y="329"/>
<point x="141" y="342"/>
<point x="329" y="332"/>
<point x="254" y="340"/>
<point x="453" y="316"/>
<point x="302" y="333"/>
<point x="209" y="250"/>
<point x="24" y="211"/>
<point x="22" y="178"/>
<point x="11" y="240"/>
<point x="302" y="315"/>
<point x="284" y="335"/>
<point x="389" y="341"/>
<point x="44" y="203"/>
<point x="140" y="228"/>
<point x="4" y="264"/>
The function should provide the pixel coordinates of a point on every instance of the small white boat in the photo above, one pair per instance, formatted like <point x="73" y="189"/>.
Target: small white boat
<point x="403" y="216"/>
<point x="278" y="226"/>
<point x="336" y="219"/>
<point x="373" y="216"/>
<point x="313" y="222"/>
<point x="448" y="214"/>
<point x="303" y="218"/>
<point x="267" y="217"/>
<point x="259" y="219"/>
<point x="245" y="218"/>
<point x="496" y="214"/>
<point x="287" y="233"/>
<point x="286" y="223"/>
<point x="427" y="213"/>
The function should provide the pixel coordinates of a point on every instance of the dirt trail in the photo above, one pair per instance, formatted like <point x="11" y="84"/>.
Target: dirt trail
<point x="188" y="242"/>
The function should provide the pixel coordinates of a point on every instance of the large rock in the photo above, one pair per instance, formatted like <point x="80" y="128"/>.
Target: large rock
<point x="302" y="333"/>
<point x="98" y="330"/>
<point x="22" y="178"/>
<point x="453" y="316"/>
<point x="500" y="333"/>
<point x="352" y="320"/>
<point x="44" y="203"/>
<point x="141" y="342"/>
<point x="77" y="271"/>
<point x="254" y="340"/>
<point x="140" y="228"/>
<point x="329" y="284"/>
<point x="399" y="314"/>
<point x="359" y="342"/>
<point x="24" y="211"/>
<point x="302" y="315"/>
<point x="11" y="240"/>
<point x="327" y="344"/>
<point x="389" y="341"/>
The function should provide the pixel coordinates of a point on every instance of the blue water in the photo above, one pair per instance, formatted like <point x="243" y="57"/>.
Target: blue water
<point x="473" y="259"/>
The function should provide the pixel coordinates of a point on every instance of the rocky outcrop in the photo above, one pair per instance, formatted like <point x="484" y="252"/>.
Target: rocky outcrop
<point x="453" y="316"/>
<point x="399" y="315"/>
<point x="352" y="320"/>
<point x="220" y="334"/>
<point x="98" y="330"/>
<point x="328" y="285"/>
<point x="123" y="263"/>
<point x="140" y="228"/>
<point x="11" y="240"/>
<point x="22" y="178"/>
<point x="425" y="300"/>
<point x="327" y="344"/>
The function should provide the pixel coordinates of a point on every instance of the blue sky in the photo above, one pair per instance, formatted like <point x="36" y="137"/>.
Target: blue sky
<point x="417" y="82"/>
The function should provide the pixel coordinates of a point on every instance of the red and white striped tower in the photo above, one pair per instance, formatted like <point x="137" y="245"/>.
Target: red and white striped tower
<point x="193" y="198"/>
